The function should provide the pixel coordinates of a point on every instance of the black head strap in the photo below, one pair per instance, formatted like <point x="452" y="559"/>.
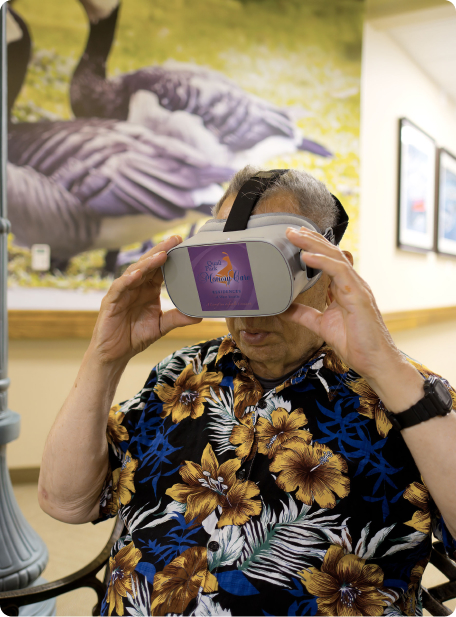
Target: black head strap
<point x="248" y="197"/>
<point x="342" y="221"/>
<point x="250" y="193"/>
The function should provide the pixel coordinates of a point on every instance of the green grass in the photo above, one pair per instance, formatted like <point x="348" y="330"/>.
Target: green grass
<point x="305" y="55"/>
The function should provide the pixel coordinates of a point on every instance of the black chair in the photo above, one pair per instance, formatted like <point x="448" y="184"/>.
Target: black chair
<point x="10" y="601"/>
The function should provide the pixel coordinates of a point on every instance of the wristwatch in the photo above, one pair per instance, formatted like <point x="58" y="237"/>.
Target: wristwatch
<point x="435" y="402"/>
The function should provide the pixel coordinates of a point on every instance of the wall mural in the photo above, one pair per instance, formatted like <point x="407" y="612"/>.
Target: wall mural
<point x="128" y="118"/>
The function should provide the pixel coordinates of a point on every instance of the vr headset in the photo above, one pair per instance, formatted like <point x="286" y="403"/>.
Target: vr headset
<point x="244" y="266"/>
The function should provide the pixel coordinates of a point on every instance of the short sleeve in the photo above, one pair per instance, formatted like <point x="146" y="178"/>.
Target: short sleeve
<point x="123" y="422"/>
<point x="441" y="532"/>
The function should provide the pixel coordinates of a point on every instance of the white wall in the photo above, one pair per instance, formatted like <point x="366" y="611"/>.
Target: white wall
<point x="392" y="86"/>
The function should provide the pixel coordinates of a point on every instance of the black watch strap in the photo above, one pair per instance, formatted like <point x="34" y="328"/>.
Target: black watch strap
<point x="430" y="406"/>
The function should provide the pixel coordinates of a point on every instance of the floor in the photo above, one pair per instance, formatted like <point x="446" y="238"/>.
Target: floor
<point x="74" y="546"/>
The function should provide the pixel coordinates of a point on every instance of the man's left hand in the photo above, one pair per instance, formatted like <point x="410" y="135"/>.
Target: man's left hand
<point x="353" y="326"/>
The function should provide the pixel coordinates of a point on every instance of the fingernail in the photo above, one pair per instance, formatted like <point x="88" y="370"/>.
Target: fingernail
<point x="132" y="273"/>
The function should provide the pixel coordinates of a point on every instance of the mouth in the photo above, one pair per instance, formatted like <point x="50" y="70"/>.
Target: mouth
<point x="254" y="337"/>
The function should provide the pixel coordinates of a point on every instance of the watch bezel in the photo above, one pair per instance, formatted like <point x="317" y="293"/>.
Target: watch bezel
<point x="436" y="387"/>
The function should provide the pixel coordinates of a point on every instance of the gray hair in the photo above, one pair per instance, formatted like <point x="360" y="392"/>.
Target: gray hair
<point x="311" y="196"/>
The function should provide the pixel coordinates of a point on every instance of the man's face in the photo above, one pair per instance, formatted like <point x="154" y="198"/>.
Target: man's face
<point x="273" y="345"/>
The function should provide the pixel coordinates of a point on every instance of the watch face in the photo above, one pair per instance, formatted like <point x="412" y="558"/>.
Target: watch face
<point x="442" y="394"/>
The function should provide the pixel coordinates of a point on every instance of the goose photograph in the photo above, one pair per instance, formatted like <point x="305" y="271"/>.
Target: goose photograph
<point x="127" y="119"/>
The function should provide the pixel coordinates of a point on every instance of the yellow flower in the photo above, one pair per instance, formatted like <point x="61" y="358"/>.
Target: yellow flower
<point x="314" y="470"/>
<point x="345" y="585"/>
<point x="187" y="396"/>
<point x="122" y="572"/>
<point x="244" y="434"/>
<point x="210" y="485"/>
<point x="180" y="581"/>
<point x="285" y="429"/>
<point x="371" y="406"/>
<point x="123" y="482"/>
<point x="408" y="602"/>
<point x="115" y="432"/>
<point x="418" y="495"/>
<point x="247" y="392"/>
<point x="226" y="346"/>
<point x="332" y="362"/>
<point x="427" y="373"/>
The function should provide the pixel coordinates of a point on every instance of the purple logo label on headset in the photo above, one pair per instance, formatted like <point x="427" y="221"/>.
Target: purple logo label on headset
<point x="223" y="277"/>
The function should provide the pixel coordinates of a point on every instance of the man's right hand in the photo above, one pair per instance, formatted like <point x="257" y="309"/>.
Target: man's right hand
<point x="130" y="317"/>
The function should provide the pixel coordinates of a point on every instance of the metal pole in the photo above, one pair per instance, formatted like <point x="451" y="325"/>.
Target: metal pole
<point x="23" y="555"/>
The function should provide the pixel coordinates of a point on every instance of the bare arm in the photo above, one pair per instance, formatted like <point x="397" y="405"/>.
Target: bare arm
<point x="75" y="458"/>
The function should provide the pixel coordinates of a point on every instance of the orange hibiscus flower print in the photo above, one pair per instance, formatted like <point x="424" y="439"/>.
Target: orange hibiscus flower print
<point x="180" y="581"/>
<point x="332" y="362"/>
<point x="286" y="428"/>
<point x="419" y="496"/>
<point x="314" y="470"/>
<point x="345" y="585"/>
<point x="226" y="346"/>
<point x="243" y="435"/>
<point x="123" y="482"/>
<point x="247" y="392"/>
<point x="408" y="602"/>
<point x="122" y="568"/>
<point x="209" y="485"/>
<point x="370" y="405"/>
<point x="115" y="432"/>
<point x="187" y="397"/>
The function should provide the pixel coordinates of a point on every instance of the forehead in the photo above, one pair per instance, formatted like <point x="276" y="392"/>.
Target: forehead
<point x="280" y="202"/>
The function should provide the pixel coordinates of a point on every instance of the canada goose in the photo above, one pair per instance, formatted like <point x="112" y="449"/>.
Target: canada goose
<point x="108" y="183"/>
<point x="238" y="119"/>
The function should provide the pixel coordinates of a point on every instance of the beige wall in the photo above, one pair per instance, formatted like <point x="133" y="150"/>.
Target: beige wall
<point x="393" y="86"/>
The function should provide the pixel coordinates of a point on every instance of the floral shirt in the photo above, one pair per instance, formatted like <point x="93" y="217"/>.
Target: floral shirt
<point x="297" y="501"/>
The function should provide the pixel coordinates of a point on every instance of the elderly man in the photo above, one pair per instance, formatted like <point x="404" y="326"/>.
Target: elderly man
<point x="258" y="474"/>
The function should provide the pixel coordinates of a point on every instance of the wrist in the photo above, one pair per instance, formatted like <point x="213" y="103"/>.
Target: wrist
<point x="399" y="387"/>
<point x="99" y="371"/>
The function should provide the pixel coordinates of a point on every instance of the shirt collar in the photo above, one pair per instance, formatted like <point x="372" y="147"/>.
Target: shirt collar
<point x="229" y="350"/>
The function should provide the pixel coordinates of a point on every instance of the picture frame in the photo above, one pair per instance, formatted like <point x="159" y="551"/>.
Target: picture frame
<point x="416" y="188"/>
<point x="445" y="236"/>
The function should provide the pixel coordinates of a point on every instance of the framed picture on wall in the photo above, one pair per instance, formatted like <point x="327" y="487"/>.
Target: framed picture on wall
<point x="446" y="203"/>
<point x="416" y="210"/>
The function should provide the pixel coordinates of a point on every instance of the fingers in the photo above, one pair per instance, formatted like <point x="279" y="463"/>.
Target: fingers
<point x="175" y="319"/>
<point x="314" y="242"/>
<point x="305" y="316"/>
<point x="166" y="245"/>
<point x="145" y="269"/>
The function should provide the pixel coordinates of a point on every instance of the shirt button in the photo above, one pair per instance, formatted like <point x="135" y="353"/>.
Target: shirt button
<point x="241" y="474"/>
<point x="262" y="404"/>
<point x="213" y="546"/>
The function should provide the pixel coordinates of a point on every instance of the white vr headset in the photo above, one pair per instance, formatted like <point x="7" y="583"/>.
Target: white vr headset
<point x="244" y="266"/>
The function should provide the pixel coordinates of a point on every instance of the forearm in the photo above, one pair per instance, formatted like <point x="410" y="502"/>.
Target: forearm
<point x="431" y="443"/>
<point x="75" y="458"/>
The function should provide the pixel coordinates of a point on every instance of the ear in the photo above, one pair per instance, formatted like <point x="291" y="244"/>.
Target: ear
<point x="329" y="297"/>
